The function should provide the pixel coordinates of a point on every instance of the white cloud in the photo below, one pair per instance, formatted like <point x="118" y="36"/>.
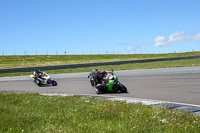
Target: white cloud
<point x="177" y="37"/>
<point x="160" y="41"/>
<point x="161" y="44"/>
<point x="129" y="48"/>
<point x="195" y="37"/>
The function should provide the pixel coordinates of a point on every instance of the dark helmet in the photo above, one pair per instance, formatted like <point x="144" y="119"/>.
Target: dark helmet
<point x="104" y="72"/>
<point x="38" y="71"/>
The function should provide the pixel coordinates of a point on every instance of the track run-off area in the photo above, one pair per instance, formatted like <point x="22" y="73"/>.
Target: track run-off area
<point x="180" y="85"/>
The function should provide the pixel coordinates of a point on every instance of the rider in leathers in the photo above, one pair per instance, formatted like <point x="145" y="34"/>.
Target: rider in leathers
<point x="38" y="75"/>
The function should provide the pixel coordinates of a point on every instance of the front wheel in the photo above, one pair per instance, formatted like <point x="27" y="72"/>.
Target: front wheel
<point x="54" y="83"/>
<point x="92" y="82"/>
<point x="97" y="89"/>
<point x="122" y="88"/>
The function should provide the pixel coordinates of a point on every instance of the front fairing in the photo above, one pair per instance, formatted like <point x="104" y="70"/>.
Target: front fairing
<point x="50" y="80"/>
<point x="112" y="82"/>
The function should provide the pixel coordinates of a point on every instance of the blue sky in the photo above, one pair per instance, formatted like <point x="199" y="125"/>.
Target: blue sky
<point x="98" y="26"/>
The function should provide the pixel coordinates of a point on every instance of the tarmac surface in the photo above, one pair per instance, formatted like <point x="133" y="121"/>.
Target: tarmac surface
<point x="167" y="84"/>
<point x="173" y="88"/>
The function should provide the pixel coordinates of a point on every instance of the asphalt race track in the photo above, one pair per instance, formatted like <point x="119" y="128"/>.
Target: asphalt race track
<point x="180" y="85"/>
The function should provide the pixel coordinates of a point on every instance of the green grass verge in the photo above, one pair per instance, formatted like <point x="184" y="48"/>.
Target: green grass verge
<point x="46" y="60"/>
<point x="149" y="65"/>
<point x="40" y="114"/>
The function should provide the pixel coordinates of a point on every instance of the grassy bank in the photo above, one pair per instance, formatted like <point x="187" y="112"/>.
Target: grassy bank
<point x="149" y="65"/>
<point x="36" y="113"/>
<point x="46" y="60"/>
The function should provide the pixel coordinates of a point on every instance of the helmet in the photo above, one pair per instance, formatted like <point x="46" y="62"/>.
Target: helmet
<point x="38" y="71"/>
<point x="104" y="72"/>
<point x="95" y="70"/>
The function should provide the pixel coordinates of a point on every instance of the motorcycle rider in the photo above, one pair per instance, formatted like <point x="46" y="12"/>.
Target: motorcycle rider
<point x="102" y="77"/>
<point x="96" y="74"/>
<point x="95" y="70"/>
<point x="38" y="74"/>
<point x="106" y="77"/>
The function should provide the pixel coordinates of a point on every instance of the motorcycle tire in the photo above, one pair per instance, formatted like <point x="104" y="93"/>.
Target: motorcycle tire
<point x="122" y="88"/>
<point x="39" y="84"/>
<point x="97" y="89"/>
<point x="92" y="82"/>
<point x="54" y="83"/>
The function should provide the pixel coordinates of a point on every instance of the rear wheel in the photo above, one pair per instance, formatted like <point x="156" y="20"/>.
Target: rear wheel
<point x="38" y="82"/>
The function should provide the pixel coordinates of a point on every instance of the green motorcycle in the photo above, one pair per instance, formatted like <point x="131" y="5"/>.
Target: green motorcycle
<point x="111" y="84"/>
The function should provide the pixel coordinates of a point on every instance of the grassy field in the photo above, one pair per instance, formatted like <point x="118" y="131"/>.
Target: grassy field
<point x="46" y="60"/>
<point x="36" y="113"/>
<point x="40" y="114"/>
